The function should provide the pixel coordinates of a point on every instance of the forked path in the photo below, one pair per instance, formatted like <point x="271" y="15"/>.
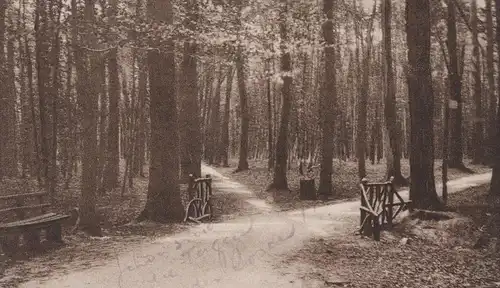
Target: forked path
<point x="243" y="252"/>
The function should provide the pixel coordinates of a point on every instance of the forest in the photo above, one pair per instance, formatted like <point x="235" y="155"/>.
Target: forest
<point x="99" y="96"/>
<point x="108" y="107"/>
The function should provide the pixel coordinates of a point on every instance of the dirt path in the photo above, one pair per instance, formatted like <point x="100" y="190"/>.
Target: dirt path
<point x="242" y="252"/>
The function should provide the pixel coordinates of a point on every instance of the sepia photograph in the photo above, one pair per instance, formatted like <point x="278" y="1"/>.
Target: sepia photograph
<point x="249" y="143"/>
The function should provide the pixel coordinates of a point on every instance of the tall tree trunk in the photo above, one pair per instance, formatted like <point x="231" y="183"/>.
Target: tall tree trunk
<point x="3" y="104"/>
<point x="391" y="122"/>
<point x="164" y="201"/>
<point x="10" y="159"/>
<point x="112" y="171"/>
<point x="214" y="123"/>
<point x="190" y="120"/>
<point x="422" y="187"/>
<point x="36" y="167"/>
<point x="42" y="67"/>
<point x="456" y="147"/>
<point x="363" y="101"/>
<point x="56" y="85"/>
<point x="245" y="117"/>
<point x="88" y="101"/>
<point x="478" y="109"/>
<point x="495" y="178"/>
<point x="225" y="124"/>
<point x="270" y="138"/>
<point x="280" y="169"/>
<point x="141" y="129"/>
<point x="328" y="100"/>
<point x="490" y="74"/>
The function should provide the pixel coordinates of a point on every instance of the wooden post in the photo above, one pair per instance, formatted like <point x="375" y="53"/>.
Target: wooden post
<point x="364" y="182"/>
<point x="191" y="187"/>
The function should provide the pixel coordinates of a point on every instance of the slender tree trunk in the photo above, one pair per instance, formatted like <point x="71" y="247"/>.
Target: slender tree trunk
<point x="328" y="99"/>
<point x="164" y="201"/>
<point x="111" y="170"/>
<point x="245" y="117"/>
<point x="88" y="98"/>
<point x="391" y="123"/>
<point x="225" y="124"/>
<point x="189" y="118"/>
<point x="10" y="159"/>
<point x="478" y="145"/>
<point x="42" y="67"/>
<point x="280" y="169"/>
<point x="490" y="75"/>
<point x="495" y="178"/>
<point x="363" y="102"/>
<point x="422" y="187"/>
<point x="456" y="147"/>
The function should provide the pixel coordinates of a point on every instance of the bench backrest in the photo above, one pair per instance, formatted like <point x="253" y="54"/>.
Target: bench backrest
<point x="21" y="206"/>
<point x="200" y="187"/>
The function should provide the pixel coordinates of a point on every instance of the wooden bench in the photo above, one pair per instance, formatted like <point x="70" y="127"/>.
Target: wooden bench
<point x="377" y="207"/>
<point x="199" y="206"/>
<point x="24" y="220"/>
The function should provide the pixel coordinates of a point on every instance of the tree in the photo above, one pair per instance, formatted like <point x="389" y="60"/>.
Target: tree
<point x="391" y="121"/>
<point x="328" y="103"/>
<point x="241" y="78"/>
<point x="490" y="74"/>
<point x="163" y="202"/>
<point x="112" y="171"/>
<point x="422" y="188"/>
<point x="478" y="109"/>
<point x="456" y="147"/>
<point x="495" y="178"/>
<point x="225" y="124"/>
<point x="189" y="120"/>
<point x="87" y="98"/>
<point x="280" y="169"/>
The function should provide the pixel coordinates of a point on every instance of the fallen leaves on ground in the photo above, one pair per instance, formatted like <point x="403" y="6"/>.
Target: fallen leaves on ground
<point x="416" y="253"/>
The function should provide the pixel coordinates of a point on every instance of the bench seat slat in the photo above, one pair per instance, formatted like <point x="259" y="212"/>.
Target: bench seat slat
<point x="14" y="196"/>
<point x="25" y="207"/>
<point x="35" y="221"/>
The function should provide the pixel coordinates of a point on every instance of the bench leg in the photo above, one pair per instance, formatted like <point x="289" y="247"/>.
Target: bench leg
<point x="9" y="244"/>
<point x="54" y="233"/>
<point x="32" y="239"/>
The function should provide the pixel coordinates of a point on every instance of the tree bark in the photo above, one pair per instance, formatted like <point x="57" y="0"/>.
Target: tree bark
<point x="111" y="170"/>
<point x="495" y="178"/>
<point x="88" y="101"/>
<point x="391" y="120"/>
<point x="190" y="120"/>
<point x="490" y="75"/>
<point x="280" y="169"/>
<point x="245" y="117"/>
<point x="478" y="146"/>
<point x="327" y="104"/>
<point x="422" y="187"/>
<point x="163" y="202"/>
<point x="225" y="124"/>
<point x="456" y="147"/>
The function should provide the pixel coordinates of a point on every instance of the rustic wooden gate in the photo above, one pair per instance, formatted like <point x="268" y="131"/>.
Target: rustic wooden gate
<point x="377" y="206"/>
<point x="199" y="206"/>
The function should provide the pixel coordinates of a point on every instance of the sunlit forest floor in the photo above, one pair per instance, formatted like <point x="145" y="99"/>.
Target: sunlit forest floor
<point x="415" y="253"/>
<point x="117" y="215"/>
<point x="345" y="180"/>
<point x="121" y="233"/>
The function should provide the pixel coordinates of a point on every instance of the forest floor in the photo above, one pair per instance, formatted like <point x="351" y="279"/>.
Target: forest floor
<point x="233" y="201"/>
<point x="121" y="232"/>
<point x="416" y="253"/>
<point x="345" y="180"/>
